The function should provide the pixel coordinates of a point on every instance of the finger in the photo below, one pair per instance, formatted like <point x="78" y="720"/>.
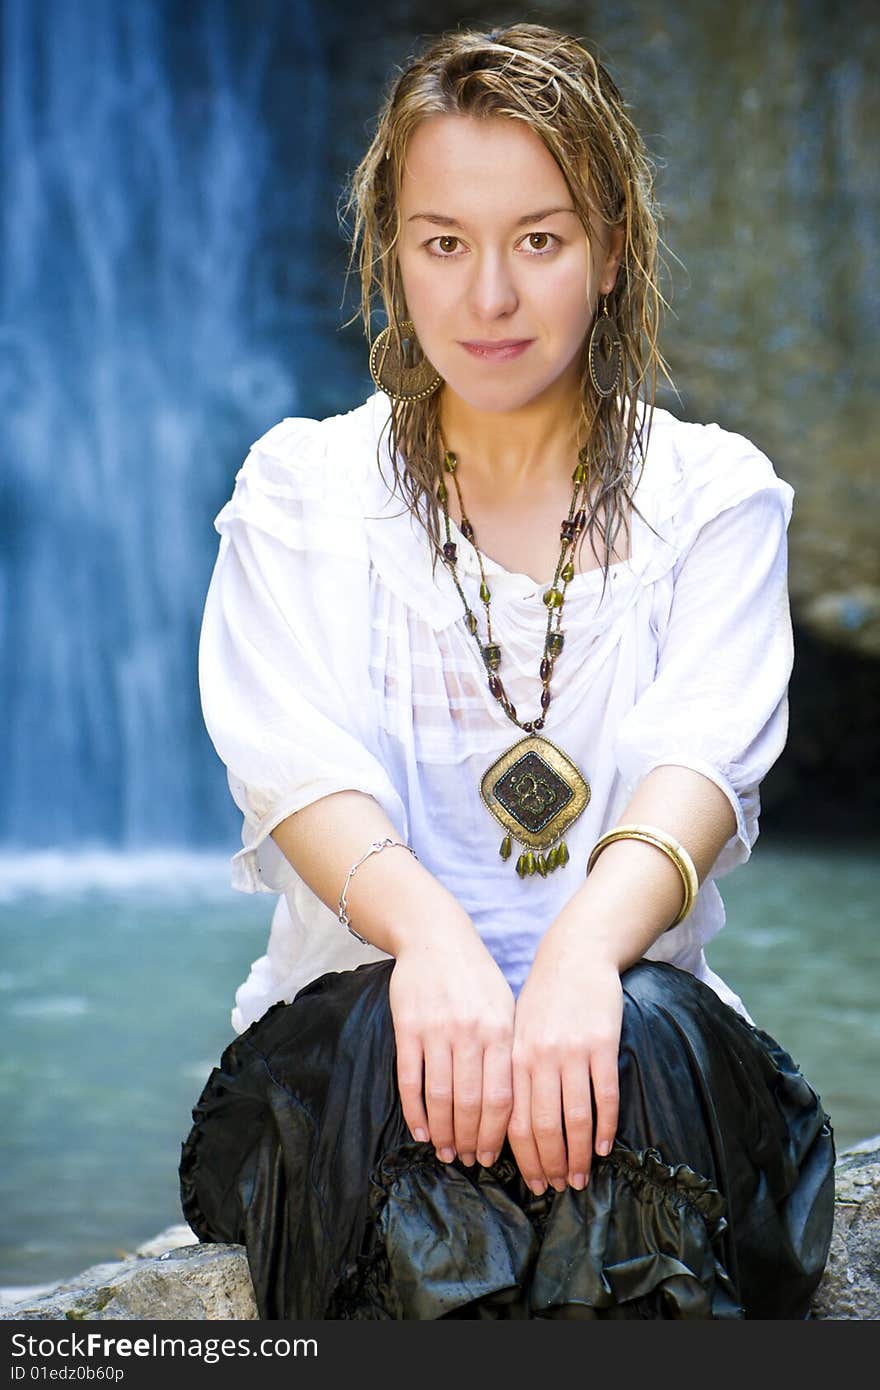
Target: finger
<point x="578" y="1114"/>
<point x="438" y="1099"/>
<point x="497" y="1101"/>
<point x="547" y="1123"/>
<point x="519" y="1132"/>
<point x="606" y="1092"/>
<point x="467" y="1098"/>
<point x="409" y="1083"/>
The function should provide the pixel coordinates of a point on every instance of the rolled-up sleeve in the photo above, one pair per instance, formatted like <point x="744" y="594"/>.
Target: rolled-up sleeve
<point x="718" y="702"/>
<point x="283" y="649"/>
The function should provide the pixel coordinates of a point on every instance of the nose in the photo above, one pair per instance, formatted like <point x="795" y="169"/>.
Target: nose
<point x="492" y="291"/>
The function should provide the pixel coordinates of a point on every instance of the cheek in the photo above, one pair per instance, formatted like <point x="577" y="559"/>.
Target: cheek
<point x="565" y="297"/>
<point x="420" y="286"/>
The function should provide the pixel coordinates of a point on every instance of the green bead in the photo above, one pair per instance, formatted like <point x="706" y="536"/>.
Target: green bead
<point x="484" y="592"/>
<point x="531" y="865"/>
<point x="580" y="474"/>
<point x="568" y="572"/>
<point x="562" y="855"/>
<point x="555" y="643"/>
<point x="471" y="622"/>
<point x="541" y="865"/>
<point x="492" y="655"/>
<point x="521" y="866"/>
<point x="450" y="462"/>
<point x="553" y="598"/>
<point x="551" y="859"/>
<point x="441" y="491"/>
<point x="506" y="847"/>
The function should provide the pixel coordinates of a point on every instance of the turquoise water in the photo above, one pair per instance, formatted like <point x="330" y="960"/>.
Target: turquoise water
<point x="117" y="975"/>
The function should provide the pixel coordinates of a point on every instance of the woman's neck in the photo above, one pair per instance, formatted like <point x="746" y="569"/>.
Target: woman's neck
<point x="512" y="449"/>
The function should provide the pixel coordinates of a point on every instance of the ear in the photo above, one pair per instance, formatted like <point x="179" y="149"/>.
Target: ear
<point x="616" y="240"/>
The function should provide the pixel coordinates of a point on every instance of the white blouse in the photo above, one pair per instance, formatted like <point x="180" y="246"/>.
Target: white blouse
<point x="330" y="658"/>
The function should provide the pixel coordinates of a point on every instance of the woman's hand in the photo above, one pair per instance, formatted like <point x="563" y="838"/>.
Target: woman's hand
<point x="565" y="1049"/>
<point x="453" y="1020"/>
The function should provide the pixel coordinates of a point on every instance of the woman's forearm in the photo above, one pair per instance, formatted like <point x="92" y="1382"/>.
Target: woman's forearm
<point x="451" y="1007"/>
<point x="634" y="891"/>
<point x="392" y="898"/>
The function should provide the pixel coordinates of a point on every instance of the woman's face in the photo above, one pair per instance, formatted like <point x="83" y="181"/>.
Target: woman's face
<point x="491" y="249"/>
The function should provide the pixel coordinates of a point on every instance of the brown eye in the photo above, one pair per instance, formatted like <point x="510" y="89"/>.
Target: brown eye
<point x="443" y="239"/>
<point x="533" y="235"/>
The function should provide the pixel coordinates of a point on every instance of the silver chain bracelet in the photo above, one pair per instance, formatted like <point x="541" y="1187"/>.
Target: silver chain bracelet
<point x="374" y="849"/>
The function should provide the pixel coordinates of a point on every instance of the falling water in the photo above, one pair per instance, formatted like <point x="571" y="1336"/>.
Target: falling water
<point x="139" y="355"/>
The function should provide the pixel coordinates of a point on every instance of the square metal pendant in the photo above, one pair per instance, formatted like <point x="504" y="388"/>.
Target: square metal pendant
<point x="535" y="791"/>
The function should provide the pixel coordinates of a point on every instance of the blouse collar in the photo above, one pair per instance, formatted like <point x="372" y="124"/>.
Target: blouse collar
<point x="399" y="549"/>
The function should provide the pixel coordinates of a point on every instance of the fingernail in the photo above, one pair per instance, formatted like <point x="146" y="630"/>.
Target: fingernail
<point x="487" y="1159"/>
<point x="578" y="1180"/>
<point x="421" y="1136"/>
<point x="604" y="1148"/>
<point x="538" y="1187"/>
<point x="447" y="1155"/>
<point x="467" y="1159"/>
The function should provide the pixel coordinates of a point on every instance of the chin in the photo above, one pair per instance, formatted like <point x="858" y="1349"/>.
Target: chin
<point x="494" y="398"/>
<point x="494" y="404"/>
<point x="498" y="400"/>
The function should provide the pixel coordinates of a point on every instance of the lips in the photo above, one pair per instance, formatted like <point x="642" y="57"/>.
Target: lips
<point x="498" y="351"/>
<point x="495" y="342"/>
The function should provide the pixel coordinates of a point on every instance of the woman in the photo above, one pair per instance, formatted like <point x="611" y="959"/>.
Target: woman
<point x="513" y="1087"/>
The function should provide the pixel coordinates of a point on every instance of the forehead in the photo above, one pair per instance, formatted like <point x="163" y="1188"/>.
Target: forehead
<point x="486" y="164"/>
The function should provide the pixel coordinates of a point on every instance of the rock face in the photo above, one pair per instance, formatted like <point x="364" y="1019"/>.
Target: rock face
<point x="850" y="1286"/>
<point x="173" y="1276"/>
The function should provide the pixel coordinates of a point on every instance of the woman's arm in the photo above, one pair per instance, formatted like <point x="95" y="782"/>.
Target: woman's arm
<point x="392" y="900"/>
<point x="569" y="1011"/>
<point x="696" y="744"/>
<point x="634" y="891"/>
<point x="451" y="1005"/>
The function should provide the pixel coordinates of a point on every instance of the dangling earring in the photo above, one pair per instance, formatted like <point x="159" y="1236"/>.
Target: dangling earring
<point x="391" y="374"/>
<point x="605" y="353"/>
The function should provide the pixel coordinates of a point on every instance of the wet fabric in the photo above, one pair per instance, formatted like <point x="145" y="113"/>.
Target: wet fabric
<point x="716" y="1200"/>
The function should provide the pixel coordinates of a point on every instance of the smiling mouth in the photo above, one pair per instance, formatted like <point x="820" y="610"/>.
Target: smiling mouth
<point x="500" y="350"/>
<point x="494" y="342"/>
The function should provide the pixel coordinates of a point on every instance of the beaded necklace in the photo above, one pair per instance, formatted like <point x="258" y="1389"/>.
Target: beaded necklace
<point x="533" y="790"/>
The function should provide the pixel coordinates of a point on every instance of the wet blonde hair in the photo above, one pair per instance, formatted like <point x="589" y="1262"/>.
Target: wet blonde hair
<point x="549" y="80"/>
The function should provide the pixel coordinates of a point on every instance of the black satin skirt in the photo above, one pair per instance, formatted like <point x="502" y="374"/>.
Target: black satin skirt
<point x="716" y="1200"/>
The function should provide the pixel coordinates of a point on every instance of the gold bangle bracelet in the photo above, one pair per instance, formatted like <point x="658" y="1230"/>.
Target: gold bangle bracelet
<point x="651" y="835"/>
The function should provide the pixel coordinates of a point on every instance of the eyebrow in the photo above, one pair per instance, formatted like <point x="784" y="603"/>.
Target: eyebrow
<point x="441" y="220"/>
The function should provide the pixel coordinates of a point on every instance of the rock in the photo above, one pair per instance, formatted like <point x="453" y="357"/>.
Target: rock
<point x="833" y="546"/>
<point x="173" y="1276"/>
<point x="850" y="1286"/>
<point x="191" y="1282"/>
<point x="171" y="1239"/>
<point x="847" y="618"/>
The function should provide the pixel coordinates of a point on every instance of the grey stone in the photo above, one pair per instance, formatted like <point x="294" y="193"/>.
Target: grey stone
<point x="192" y="1282"/>
<point x="847" y="618"/>
<point x="850" y="1286"/>
<point x="173" y="1238"/>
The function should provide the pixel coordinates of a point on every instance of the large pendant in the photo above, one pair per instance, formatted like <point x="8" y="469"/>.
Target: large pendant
<point x="535" y="792"/>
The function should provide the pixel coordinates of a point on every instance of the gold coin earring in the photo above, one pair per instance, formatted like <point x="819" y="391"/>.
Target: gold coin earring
<point x="605" y="352"/>
<point x="390" y="370"/>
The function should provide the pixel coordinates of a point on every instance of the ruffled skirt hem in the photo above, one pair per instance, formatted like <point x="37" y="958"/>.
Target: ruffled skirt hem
<point x="716" y="1200"/>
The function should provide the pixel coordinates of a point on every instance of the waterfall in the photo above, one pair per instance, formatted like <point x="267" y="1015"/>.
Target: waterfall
<point x="161" y="168"/>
